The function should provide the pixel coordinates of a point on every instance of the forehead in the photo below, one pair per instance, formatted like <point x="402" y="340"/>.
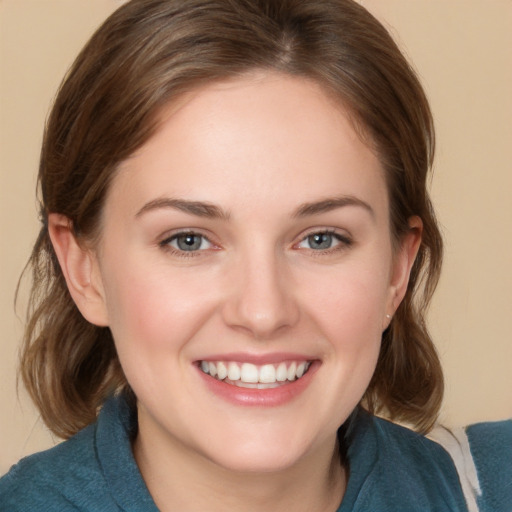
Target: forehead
<point x="268" y="134"/>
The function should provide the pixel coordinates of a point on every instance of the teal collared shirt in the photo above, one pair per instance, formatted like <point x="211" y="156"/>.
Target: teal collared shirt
<point x="391" y="469"/>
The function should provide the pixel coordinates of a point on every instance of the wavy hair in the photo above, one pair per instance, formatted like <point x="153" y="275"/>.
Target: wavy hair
<point x="148" y="53"/>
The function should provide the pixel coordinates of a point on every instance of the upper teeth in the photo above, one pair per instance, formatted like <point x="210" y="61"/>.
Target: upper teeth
<point x="251" y="373"/>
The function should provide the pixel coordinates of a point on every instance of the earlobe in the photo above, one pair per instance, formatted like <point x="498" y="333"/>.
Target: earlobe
<point x="80" y="268"/>
<point x="403" y="262"/>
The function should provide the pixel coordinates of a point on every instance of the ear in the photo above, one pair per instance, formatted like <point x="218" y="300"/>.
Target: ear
<point x="80" y="268"/>
<point x="402" y="264"/>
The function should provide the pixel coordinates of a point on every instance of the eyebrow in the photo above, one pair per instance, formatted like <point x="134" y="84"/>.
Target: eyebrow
<point x="211" y="211"/>
<point x="332" y="203"/>
<point x="197" y="208"/>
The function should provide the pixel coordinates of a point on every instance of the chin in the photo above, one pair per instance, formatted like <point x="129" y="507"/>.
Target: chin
<point x="264" y="452"/>
<point x="254" y="461"/>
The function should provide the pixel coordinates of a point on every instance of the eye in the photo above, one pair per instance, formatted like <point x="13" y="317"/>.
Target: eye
<point x="187" y="242"/>
<point x="323" y="241"/>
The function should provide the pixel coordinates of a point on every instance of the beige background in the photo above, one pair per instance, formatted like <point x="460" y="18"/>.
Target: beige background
<point x="462" y="50"/>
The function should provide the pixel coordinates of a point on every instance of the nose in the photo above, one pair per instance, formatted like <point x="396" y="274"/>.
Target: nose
<point x="261" y="301"/>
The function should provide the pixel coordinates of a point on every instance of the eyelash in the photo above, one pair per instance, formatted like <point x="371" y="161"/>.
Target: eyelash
<point x="344" y="242"/>
<point x="165" y="244"/>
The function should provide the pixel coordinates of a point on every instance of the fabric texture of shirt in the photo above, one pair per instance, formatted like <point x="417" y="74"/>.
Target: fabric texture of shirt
<point x="392" y="469"/>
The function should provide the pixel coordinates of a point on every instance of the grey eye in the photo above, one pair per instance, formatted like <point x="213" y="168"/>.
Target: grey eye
<point x="319" y="241"/>
<point x="189" y="242"/>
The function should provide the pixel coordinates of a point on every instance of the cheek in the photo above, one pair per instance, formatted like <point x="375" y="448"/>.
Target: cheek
<point x="349" y="318"/>
<point x="154" y="308"/>
<point x="346" y="312"/>
<point x="351" y="304"/>
<point x="152" y="317"/>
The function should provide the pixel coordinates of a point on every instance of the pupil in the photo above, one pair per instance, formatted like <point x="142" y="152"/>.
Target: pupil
<point x="189" y="242"/>
<point x="320" y="241"/>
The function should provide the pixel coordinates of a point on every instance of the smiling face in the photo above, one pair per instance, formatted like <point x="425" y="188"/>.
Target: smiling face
<point x="246" y="269"/>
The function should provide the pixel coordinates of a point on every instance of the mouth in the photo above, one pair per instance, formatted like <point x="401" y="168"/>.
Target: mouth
<point x="253" y="376"/>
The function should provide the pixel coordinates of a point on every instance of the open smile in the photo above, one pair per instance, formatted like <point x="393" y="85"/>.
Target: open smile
<point x="248" y="375"/>
<point x="250" y="384"/>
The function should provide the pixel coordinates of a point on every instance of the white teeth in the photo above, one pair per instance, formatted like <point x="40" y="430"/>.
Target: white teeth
<point x="259" y="385"/>
<point x="292" y="369"/>
<point x="233" y="371"/>
<point x="281" y="373"/>
<point x="251" y="375"/>
<point x="267" y="374"/>
<point x="222" y="371"/>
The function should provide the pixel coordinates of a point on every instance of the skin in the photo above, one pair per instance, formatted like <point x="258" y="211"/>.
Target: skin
<point x="259" y="149"/>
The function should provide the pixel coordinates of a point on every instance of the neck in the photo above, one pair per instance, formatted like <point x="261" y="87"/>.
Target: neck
<point x="180" y="480"/>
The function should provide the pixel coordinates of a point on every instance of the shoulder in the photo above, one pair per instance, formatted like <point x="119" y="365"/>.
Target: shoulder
<point x="482" y="454"/>
<point x="64" y="477"/>
<point x="491" y="448"/>
<point x="418" y="457"/>
<point x="393" y="468"/>
<point x="94" y="470"/>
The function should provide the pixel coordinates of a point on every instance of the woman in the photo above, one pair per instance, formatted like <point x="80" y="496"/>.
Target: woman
<point x="236" y="251"/>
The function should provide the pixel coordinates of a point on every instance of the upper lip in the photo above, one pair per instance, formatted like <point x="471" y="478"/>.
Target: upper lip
<point x="258" y="359"/>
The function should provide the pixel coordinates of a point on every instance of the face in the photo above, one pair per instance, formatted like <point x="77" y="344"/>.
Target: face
<point x="246" y="270"/>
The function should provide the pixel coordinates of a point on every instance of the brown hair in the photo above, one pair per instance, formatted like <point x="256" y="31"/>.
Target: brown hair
<point x="146" y="54"/>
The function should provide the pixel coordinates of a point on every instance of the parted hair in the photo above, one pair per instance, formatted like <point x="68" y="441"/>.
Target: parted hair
<point x="145" y="55"/>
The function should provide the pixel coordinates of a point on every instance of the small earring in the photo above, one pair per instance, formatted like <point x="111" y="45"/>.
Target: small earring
<point x="388" y="317"/>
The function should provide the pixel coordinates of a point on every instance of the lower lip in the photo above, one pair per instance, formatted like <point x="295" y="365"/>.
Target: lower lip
<point x="270" y="397"/>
